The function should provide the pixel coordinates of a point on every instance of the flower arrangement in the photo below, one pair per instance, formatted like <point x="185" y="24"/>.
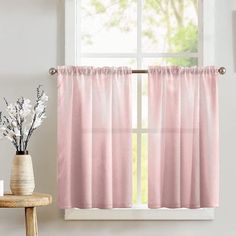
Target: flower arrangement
<point x="22" y="119"/>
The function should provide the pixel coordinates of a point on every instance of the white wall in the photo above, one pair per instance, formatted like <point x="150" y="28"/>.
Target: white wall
<point x="31" y="40"/>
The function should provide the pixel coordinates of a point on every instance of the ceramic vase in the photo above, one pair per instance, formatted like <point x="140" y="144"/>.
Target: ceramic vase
<point x="22" y="174"/>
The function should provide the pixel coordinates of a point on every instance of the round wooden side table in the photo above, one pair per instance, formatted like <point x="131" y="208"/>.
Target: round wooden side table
<point x="29" y="203"/>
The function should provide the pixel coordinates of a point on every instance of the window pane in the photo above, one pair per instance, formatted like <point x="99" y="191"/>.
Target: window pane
<point x="134" y="168"/>
<point x="144" y="180"/>
<point x="170" y="26"/>
<point x="170" y="61"/>
<point x="108" y="26"/>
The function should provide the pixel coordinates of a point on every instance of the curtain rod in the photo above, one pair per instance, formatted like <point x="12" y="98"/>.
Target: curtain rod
<point x="53" y="71"/>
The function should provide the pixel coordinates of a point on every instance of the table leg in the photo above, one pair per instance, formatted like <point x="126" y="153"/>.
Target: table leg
<point x="31" y="221"/>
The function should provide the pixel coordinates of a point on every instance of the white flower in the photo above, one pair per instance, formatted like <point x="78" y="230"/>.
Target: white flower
<point x="43" y="116"/>
<point x="17" y="133"/>
<point x="11" y="110"/>
<point x="14" y="124"/>
<point x="26" y="108"/>
<point x="26" y="130"/>
<point x="24" y="113"/>
<point x="39" y="108"/>
<point x="26" y="105"/>
<point x="11" y="107"/>
<point x="27" y="101"/>
<point x="37" y="123"/>
<point x="44" y="98"/>
<point x="3" y="129"/>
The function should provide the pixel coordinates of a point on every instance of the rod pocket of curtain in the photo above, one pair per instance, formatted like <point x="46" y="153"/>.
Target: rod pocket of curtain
<point x="53" y="71"/>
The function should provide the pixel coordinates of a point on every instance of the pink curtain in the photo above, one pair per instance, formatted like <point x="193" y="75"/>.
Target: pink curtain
<point x="183" y="137"/>
<point x="94" y="137"/>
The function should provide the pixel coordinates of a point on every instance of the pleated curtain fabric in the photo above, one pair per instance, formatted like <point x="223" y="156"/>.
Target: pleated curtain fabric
<point x="183" y="150"/>
<point x="94" y="137"/>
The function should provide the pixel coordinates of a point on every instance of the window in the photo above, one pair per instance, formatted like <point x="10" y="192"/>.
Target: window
<point x="139" y="33"/>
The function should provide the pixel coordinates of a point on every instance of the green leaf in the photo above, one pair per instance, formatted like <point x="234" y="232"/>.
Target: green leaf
<point x="185" y="39"/>
<point x="99" y="7"/>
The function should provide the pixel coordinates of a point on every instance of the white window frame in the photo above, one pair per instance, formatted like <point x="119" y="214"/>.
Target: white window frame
<point x="205" y="55"/>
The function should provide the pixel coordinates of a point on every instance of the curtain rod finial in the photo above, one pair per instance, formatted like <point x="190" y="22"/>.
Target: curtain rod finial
<point x="52" y="71"/>
<point x="222" y="70"/>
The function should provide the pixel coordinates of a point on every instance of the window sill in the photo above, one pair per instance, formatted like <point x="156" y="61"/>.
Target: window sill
<point x="142" y="213"/>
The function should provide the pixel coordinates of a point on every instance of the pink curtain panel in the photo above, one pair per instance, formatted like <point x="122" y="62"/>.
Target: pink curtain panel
<point x="94" y="137"/>
<point x="183" y="152"/>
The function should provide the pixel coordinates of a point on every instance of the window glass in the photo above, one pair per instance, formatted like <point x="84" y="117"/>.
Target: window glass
<point x="170" y="26"/>
<point x="108" y="26"/>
